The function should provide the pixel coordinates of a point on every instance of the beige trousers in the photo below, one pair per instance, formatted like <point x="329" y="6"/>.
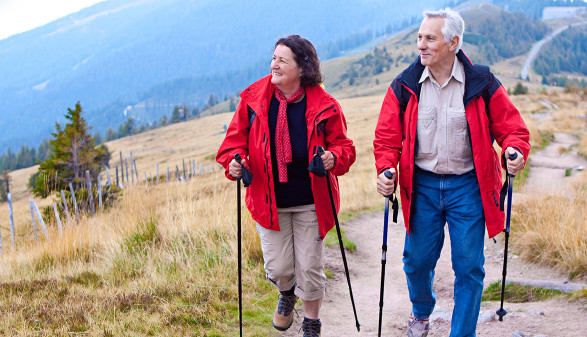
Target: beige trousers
<point x="294" y="255"/>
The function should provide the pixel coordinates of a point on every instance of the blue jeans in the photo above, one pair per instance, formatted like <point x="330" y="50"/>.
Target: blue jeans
<point x="456" y="200"/>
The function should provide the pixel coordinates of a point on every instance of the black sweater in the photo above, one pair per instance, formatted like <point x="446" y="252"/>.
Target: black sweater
<point x="298" y="189"/>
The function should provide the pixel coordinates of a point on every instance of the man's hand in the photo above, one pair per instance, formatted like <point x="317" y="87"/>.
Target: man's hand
<point x="235" y="169"/>
<point x="516" y="165"/>
<point x="386" y="186"/>
<point x="327" y="160"/>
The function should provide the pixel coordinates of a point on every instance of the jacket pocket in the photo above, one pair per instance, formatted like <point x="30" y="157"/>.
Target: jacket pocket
<point x="458" y="140"/>
<point x="426" y="131"/>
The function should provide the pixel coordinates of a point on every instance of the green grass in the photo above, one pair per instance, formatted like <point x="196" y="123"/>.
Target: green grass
<point x="568" y="172"/>
<point x="332" y="239"/>
<point x="546" y="139"/>
<point x="328" y="273"/>
<point x="517" y="293"/>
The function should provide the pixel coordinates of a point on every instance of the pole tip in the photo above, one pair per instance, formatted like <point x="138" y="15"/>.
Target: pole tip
<point x="501" y="312"/>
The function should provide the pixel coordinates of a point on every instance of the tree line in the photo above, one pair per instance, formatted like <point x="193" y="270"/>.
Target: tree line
<point x="566" y="53"/>
<point x="503" y="35"/>
<point x="25" y="157"/>
<point x="180" y="113"/>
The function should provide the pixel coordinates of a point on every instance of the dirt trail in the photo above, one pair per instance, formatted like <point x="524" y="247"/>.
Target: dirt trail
<point x="549" y="318"/>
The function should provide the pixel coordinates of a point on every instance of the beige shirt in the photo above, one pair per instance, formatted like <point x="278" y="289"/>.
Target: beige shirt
<point x="444" y="145"/>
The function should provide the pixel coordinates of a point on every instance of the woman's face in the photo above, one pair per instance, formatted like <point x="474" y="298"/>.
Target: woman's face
<point x="285" y="71"/>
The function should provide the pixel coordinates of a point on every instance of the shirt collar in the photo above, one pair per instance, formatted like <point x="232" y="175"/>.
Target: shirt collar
<point x="456" y="73"/>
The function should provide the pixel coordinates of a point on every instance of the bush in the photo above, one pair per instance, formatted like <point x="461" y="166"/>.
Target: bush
<point x="109" y="195"/>
<point x="520" y="89"/>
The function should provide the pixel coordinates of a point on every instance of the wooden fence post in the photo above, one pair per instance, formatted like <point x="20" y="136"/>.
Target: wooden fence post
<point x="100" y="193"/>
<point x="65" y="206"/>
<point x="9" y="197"/>
<point x="146" y="181"/>
<point x="136" y="171"/>
<point x="90" y="194"/>
<point x="167" y="176"/>
<point x="41" y="221"/>
<point x="132" y="171"/>
<point x="117" y="184"/>
<point x="176" y="172"/>
<point x="183" y="160"/>
<point x="108" y="182"/>
<point x="33" y="219"/>
<point x="121" y="168"/>
<point x="195" y="167"/>
<point x="126" y="164"/>
<point x="59" y="227"/>
<point x="74" y="201"/>
<point x="190" y="169"/>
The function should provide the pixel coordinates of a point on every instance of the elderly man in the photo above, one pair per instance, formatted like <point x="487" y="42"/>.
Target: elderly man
<point x="438" y="122"/>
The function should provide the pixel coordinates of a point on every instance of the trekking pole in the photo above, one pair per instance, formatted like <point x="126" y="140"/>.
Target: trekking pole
<point x="247" y="178"/>
<point x="395" y="208"/>
<point x="320" y="152"/>
<point x="237" y="157"/>
<point x="509" y="186"/>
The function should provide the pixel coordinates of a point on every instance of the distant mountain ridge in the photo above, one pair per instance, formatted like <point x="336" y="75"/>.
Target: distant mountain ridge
<point x="117" y="52"/>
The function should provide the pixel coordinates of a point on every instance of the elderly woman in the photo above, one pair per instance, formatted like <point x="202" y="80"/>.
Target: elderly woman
<point x="280" y="121"/>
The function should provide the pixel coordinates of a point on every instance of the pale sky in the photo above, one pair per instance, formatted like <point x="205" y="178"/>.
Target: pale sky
<point x="17" y="16"/>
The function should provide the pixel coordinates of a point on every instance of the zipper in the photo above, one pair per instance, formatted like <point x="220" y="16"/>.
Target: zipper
<point x="314" y="125"/>
<point x="406" y="192"/>
<point x="268" y="195"/>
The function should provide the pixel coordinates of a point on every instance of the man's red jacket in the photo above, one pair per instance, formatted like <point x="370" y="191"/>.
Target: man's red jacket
<point x="490" y="116"/>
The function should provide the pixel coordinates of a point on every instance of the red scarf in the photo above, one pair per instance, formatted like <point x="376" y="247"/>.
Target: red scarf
<point x="282" y="141"/>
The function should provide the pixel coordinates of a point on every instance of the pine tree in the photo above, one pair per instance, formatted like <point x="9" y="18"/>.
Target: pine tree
<point x="111" y="134"/>
<point x="176" y="115"/>
<point x="4" y="185"/>
<point x="72" y="153"/>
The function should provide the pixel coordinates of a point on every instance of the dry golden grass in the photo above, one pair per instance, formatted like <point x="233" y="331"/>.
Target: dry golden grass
<point x="164" y="257"/>
<point x="162" y="261"/>
<point x="552" y="230"/>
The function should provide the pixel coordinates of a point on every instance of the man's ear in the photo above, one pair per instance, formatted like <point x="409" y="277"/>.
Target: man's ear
<point x="454" y="43"/>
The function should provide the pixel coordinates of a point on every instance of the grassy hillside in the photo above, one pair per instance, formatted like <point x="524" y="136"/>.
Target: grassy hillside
<point x="163" y="260"/>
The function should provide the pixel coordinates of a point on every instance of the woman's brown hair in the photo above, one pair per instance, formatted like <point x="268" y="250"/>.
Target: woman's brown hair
<point x="306" y="57"/>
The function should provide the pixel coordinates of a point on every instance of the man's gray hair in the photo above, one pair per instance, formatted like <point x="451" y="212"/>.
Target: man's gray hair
<point x="454" y="25"/>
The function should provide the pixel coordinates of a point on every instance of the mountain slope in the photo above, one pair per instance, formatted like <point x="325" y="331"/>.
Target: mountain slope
<point x="114" y="53"/>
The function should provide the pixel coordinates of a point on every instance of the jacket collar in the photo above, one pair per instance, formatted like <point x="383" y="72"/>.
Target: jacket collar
<point x="258" y="97"/>
<point x="475" y="80"/>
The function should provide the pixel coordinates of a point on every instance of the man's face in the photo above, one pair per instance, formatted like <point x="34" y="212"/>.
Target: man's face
<point x="434" y="50"/>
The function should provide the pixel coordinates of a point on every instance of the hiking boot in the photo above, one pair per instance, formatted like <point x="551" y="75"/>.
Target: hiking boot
<point x="311" y="327"/>
<point x="418" y="327"/>
<point x="283" y="316"/>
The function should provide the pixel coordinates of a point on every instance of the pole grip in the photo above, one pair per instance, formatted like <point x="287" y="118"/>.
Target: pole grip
<point x="320" y="150"/>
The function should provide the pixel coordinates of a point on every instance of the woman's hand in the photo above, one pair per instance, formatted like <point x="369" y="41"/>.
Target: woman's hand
<point x="328" y="160"/>
<point x="235" y="169"/>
